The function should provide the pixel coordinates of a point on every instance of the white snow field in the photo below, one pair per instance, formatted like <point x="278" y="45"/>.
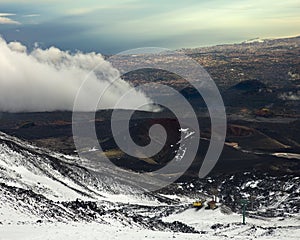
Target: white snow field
<point x="230" y="227"/>
<point x="46" y="195"/>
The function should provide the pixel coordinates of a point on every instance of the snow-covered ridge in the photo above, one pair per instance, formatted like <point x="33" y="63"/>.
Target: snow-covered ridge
<point x="59" y="177"/>
<point x="48" y="195"/>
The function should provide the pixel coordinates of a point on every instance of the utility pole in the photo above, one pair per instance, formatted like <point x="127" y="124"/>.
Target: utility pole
<point x="244" y="204"/>
<point x="252" y="199"/>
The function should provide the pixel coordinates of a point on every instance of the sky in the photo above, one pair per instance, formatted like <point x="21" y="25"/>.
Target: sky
<point x="111" y="26"/>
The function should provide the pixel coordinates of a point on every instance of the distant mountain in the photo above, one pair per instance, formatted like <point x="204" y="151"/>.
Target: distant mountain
<point x="252" y="94"/>
<point x="249" y="86"/>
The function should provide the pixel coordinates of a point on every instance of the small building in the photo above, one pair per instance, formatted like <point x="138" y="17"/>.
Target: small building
<point x="212" y="205"/>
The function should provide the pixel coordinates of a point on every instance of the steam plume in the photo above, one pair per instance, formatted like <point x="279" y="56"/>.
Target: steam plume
<point x="48" y="80"/>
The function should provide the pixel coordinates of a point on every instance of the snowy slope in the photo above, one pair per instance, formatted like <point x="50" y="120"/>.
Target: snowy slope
<point x="211" y="225"/>
<point x="48" y="195"/>
<point x="215" y="223"/>
<point x="60" y="177"/>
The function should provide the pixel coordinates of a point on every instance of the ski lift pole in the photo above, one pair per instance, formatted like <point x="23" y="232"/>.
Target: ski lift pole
<point x="244" y="204"/>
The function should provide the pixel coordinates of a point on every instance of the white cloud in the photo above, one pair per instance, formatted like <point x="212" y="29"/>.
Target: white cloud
<point x="91" y="9"/>
<point x="17" y="47"/>
<point x="4" y="18"/>
<point x="32" y="15"/>
<point x="48" y="80"/>
<point x="7" y="14"/>
<point x="80" y="11"/>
